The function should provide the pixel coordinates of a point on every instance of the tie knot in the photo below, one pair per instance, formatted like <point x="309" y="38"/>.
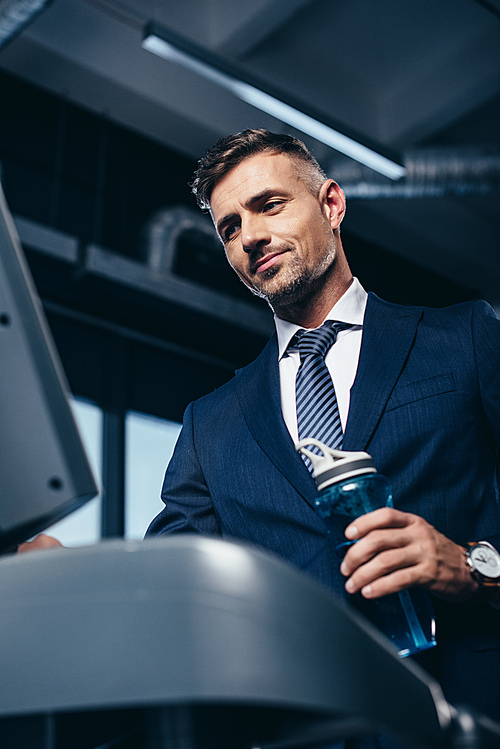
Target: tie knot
<point x="318" y="342"/>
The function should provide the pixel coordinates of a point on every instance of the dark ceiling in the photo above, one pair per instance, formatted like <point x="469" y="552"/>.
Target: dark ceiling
<point x="406" y="75"/>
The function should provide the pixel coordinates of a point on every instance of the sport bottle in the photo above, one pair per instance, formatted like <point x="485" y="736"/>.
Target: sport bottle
<point x="349" y="486"/>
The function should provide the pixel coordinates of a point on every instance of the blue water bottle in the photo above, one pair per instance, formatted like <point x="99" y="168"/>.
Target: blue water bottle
<point x="349" y="486"/>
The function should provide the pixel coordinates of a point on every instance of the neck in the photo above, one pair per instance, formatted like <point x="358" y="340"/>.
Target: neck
<point x="311" y="311"/>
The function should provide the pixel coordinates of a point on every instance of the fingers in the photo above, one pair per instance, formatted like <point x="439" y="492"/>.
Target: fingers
<point x="395" y="550"/>
<point x="376" y="544"/>
<point x="397" y="581"/>
<point x="382" y="565"/>
<point x="42" y="541"/>
<point x="386" y="544"/>
<point x="385" y="517"/>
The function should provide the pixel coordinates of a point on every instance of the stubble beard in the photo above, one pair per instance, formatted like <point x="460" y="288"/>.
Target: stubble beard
<point x="293" y="283"/>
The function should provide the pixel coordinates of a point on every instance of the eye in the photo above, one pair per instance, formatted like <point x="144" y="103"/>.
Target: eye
<point x="271" y="204"/>
<point x="229" y="231"/>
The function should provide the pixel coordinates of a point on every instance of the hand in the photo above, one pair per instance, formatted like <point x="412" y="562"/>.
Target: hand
<point x="42" y="541"/>
<point x="397" y="550"/>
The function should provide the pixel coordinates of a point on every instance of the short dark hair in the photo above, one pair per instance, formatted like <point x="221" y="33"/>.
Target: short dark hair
<point x="230" y="151"/>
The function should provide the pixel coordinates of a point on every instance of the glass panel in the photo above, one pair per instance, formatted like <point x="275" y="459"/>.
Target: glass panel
<point x="83" y="527"/>
<point x="149" y="445"/>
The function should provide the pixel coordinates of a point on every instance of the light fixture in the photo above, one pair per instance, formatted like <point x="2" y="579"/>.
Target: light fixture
<point x="15" y="15"/>
<point x="171" y="47"/>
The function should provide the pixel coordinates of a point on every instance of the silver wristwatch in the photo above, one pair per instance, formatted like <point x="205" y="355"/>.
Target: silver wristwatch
<point x="483" y="561"/>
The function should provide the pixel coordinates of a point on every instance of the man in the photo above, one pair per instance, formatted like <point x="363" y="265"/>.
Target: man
<point x="417" y="388"/>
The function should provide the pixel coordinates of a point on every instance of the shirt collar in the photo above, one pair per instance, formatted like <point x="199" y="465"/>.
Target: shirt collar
<point x="350" y="308"/>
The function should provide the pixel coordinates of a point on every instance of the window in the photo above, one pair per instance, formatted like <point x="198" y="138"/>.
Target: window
<point x="149" y="444"/>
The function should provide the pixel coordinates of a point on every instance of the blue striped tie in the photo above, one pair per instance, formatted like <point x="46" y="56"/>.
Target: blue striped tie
<point x="317" y="408"/>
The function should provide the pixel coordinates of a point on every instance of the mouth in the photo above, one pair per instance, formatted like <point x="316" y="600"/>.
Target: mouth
<point x="266" y="262"/>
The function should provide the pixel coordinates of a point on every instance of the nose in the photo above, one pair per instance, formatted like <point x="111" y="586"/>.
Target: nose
<point x="254" y="233"/>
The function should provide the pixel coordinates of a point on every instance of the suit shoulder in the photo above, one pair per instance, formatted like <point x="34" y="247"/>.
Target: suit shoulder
<point x="216" y="398"/>
<point x="225" y="394"/>
<point x="466" y="310"/>
<point x="474" y="316"/>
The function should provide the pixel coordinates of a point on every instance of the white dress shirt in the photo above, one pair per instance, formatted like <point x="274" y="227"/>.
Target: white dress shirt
<point x="341" y="360"/>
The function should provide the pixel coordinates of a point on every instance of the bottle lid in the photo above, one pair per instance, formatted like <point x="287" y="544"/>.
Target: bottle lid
<point x="335" y="465"/>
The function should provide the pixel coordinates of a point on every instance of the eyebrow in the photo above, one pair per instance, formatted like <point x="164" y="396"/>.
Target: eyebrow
<point x="252" y="201"/>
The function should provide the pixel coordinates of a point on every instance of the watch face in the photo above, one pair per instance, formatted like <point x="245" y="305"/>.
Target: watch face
<point x="486" y="561"/>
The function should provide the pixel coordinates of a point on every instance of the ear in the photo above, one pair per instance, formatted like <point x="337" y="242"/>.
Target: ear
<point x="332" y="199"/>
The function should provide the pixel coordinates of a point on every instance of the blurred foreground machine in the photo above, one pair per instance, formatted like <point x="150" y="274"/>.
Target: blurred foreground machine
<point x="197" y="643"/>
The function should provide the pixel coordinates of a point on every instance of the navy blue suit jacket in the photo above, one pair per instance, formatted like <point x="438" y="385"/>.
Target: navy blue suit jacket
<point x="425" y="404"/>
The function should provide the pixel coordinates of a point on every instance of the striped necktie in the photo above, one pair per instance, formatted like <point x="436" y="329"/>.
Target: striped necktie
<point x="317" y="408"/>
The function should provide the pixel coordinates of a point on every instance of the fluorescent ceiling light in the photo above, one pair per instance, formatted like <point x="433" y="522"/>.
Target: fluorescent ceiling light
<point x="165" y="44"/>
<point x="16" y="14"/>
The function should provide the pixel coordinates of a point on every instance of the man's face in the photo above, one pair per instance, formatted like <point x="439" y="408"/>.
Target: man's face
<point x="278" y="236"/>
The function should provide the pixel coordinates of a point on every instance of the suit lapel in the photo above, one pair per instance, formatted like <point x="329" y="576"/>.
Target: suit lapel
<point x="388" y="334"/>
<point x="258" y="392"/>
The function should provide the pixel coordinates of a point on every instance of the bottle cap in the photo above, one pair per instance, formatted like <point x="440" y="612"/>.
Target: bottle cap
<point x="335" y="465"/>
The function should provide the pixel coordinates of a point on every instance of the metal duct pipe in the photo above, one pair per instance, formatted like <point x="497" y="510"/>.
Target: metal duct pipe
<point x="163" y="232"/>
<point x="431" y="173"/>
<point x="15" y="15"/>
